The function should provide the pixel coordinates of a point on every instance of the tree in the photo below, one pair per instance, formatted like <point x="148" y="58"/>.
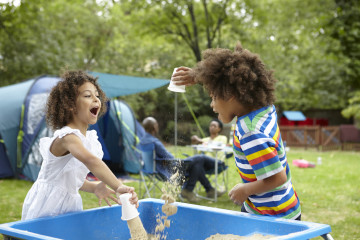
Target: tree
<point x="41" y="37"/>
<point x="345" y="26"/>
<point x="311" y="45"/>
<point x="291" y="39"/>
<point x="196" y="23"/>
<point x="353" y="110"/>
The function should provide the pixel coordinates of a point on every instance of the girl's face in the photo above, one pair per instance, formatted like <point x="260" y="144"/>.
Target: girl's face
<point x="88" y="104"/>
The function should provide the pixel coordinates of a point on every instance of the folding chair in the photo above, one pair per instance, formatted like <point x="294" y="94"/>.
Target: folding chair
<point x="222" y="171"/>
<point x="150" y="177"/>
<point x="222" y="166"/>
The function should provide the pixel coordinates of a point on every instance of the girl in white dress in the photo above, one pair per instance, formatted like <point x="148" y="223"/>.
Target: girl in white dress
<point x="74" y="103"/>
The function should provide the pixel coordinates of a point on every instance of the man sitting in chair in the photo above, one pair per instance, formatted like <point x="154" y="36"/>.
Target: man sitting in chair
<point x="194" y="167"/>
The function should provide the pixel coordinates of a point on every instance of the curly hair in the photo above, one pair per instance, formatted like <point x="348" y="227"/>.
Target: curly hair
<point x="242" y="74"/>
<point x="61" y="103"/>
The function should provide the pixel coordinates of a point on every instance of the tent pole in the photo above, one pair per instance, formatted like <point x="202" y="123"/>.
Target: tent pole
<point x="175" y="131"/>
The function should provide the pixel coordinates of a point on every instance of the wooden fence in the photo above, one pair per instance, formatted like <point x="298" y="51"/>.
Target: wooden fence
<point x="322" y="138"/>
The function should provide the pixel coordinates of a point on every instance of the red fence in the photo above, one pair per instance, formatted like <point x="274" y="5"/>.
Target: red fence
<point x="322" y="138"/>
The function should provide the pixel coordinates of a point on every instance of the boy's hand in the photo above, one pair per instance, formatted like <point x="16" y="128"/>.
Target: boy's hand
<point x="238" y="194"/>
<point x="103" y="192"/>
<point x="126" y="189"/>
<point x="183" y="76"/>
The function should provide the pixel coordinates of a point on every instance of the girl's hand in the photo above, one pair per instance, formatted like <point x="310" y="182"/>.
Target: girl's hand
<point x="183" y="76"/>
<point x="126" y="189"/>
<point x="103" y="192"/>
<point x="238" y="194"/>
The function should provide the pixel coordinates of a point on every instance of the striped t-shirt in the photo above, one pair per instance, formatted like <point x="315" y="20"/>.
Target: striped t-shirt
<point x="259" y="153"/>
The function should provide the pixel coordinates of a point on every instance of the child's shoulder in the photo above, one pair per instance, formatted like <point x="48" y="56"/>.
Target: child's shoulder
<point x="64" y="131"/>
<point x="259" y="113"/>
<point x="256" y="121"/>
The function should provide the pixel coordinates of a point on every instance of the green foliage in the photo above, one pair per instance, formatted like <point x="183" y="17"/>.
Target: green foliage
<point x="311" y="45"/>
<point x="345" y="27"/>
<point x="195" y="24"/>
<point x="291" y="40"/>
<point x="204" y="122"/>
<point x="353" y="110"/>
<point x="45" y="36"/>
<point x="186" y="129"/>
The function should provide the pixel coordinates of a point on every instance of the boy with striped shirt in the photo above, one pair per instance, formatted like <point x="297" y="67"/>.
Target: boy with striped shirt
<point x="240" y="86"/>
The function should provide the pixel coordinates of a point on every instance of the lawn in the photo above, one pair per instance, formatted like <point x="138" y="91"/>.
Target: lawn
<point x="329" y="193"/>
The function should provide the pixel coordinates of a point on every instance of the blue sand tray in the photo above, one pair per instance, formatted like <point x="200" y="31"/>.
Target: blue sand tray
<point x="191" y="222"/>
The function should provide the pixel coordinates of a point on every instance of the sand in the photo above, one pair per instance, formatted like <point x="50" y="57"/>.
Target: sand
<point x="162" y="222"/>
<point x="137" y="230"/>
<point x="236" y="237"/>
<point x="167" y="208"/>
<point x="170" y="190"/>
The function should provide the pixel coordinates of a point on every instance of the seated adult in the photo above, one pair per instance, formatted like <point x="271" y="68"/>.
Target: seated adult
<point x="194" y="167"/>
<point x="215" y="127"/>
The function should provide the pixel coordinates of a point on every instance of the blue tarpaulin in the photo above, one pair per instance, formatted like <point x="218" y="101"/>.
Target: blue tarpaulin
<point x="121" y="85"/>
<point x="294" y="115"/>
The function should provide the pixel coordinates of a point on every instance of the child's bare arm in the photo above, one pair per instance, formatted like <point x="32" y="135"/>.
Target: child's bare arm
<point x="240" y="192"/>
<point x="88" y="186"/>
<point x="183" y="76"/>
<point x="73" y="144"/>
<point x="100" y="190"/>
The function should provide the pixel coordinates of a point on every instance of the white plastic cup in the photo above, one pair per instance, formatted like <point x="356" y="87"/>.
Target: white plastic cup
<point x="175" y="88"/>
<point x="128" y="209"/>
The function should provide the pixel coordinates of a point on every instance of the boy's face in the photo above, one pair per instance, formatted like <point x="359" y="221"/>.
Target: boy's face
<point x="223" y="108"/>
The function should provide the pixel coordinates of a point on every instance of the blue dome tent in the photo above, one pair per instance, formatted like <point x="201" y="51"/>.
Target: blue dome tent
<point x="5" y="167"/>
<point x="22" y="122"/>
<point x="120" y="133"/>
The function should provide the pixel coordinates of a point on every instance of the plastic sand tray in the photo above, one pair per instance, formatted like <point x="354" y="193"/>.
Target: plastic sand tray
<point x="191" y="222"/>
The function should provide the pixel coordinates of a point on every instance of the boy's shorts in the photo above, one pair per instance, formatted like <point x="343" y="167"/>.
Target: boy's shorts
<point x="244" y="210"/>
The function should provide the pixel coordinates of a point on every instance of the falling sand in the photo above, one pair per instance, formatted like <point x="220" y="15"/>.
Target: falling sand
<point x="137" y="230"/>
<point x="170" y="190"/>
<point x="167" y="208"/>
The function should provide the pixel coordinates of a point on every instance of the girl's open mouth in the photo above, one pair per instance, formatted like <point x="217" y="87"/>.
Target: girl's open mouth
<point x="94" y="110"/>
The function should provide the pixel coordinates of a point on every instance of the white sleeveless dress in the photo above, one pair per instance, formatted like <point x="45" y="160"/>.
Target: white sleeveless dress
<point x="56" y="190"/>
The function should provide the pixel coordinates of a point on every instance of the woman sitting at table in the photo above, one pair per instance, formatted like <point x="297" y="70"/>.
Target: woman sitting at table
<point x="215" y="128"/>
<point x="215" y="138"/>
<point x="194" y="167"/>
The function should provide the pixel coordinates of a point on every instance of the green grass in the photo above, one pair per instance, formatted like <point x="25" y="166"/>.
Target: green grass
<point x="329" y="193"/>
